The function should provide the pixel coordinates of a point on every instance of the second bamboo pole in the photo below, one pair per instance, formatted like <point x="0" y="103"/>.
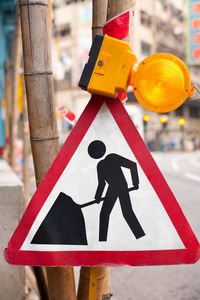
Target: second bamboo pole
<point x="102" y="273"/>
<point x="101" y="10"/>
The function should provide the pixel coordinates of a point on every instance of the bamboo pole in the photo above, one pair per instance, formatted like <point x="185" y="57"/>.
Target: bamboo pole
<point x="15" y="66"/>
<point x="99" y="12"/>
<point x="106" y="294"/>
<point x="61" y="283"/>
<point x="114" y="7"/>
<point x="7" y="94"/>
<point x="50" y="19"/>
<point x="102" y="279"/>
<point x="42" y="117"/>
<point x="40" y="276"/>
<point x="102" y="273"/>
<point x="111" y="8"/>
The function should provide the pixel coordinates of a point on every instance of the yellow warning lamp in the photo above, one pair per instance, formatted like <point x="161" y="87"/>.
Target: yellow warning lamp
<point x="163" y="120"/>
<point x="181" y="121"/>
<point x="161" y="83"/>
<point x="146" y="118"/>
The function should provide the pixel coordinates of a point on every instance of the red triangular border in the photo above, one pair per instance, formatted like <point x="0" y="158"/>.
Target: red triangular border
<point x="188" y="255"/>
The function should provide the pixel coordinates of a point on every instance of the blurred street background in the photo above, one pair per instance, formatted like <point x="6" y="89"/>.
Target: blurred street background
<point x="159" y="26"/>
<point x="182" y="172"/>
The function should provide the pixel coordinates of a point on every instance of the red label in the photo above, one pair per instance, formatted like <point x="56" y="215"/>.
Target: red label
<point x="195" y="24"/>
<point x="196" y="7"/>
<point x="196" y="53"/>
<point x="196" y="38"/>
<point x="118" y="27"/>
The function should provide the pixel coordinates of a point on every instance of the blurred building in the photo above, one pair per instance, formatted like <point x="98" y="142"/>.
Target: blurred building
<point x="72" y="32"/>
<point x="7" y="20"/>
<point x="72" y="41"/>
<point x="159" y="26"/>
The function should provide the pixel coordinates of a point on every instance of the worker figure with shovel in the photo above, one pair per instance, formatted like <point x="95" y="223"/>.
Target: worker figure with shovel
<point x="109" y="170"/>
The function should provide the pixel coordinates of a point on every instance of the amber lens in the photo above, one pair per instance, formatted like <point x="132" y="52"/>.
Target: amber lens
<point x="162" y="83"/>
<point x="161" y="80"/>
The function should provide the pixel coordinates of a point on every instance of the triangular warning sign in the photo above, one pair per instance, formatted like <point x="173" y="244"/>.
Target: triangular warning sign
<point x="103" y="202"/>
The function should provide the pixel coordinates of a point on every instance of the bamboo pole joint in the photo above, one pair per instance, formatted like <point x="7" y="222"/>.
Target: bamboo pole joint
<point x="38" y="73"/>
<point x="27" y="3"/>
<point x="97" y="27"/>
<point x="41" y="139"/>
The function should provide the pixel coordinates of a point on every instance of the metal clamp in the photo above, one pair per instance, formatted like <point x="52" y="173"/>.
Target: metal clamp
<point x="195" y="99"/>
<point x="107" y="296"/>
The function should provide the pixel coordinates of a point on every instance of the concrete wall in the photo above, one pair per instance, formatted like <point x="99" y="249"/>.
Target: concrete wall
<point x="11" y="209"/>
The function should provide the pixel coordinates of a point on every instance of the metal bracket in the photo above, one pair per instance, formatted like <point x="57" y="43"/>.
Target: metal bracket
<point x="196" y="99"/>
<point x="107" y="296"/>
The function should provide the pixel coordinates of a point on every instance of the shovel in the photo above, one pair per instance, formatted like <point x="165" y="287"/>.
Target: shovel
<point x="64" y="224"/>
<point x="102" y="199"/>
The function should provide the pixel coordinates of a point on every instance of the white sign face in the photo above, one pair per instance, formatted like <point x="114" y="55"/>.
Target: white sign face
<point x="108" y="227"/>
<point x="103" y="202"/>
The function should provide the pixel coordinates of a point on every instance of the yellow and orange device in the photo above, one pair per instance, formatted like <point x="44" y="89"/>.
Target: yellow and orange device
<point x="161" y="82"/>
